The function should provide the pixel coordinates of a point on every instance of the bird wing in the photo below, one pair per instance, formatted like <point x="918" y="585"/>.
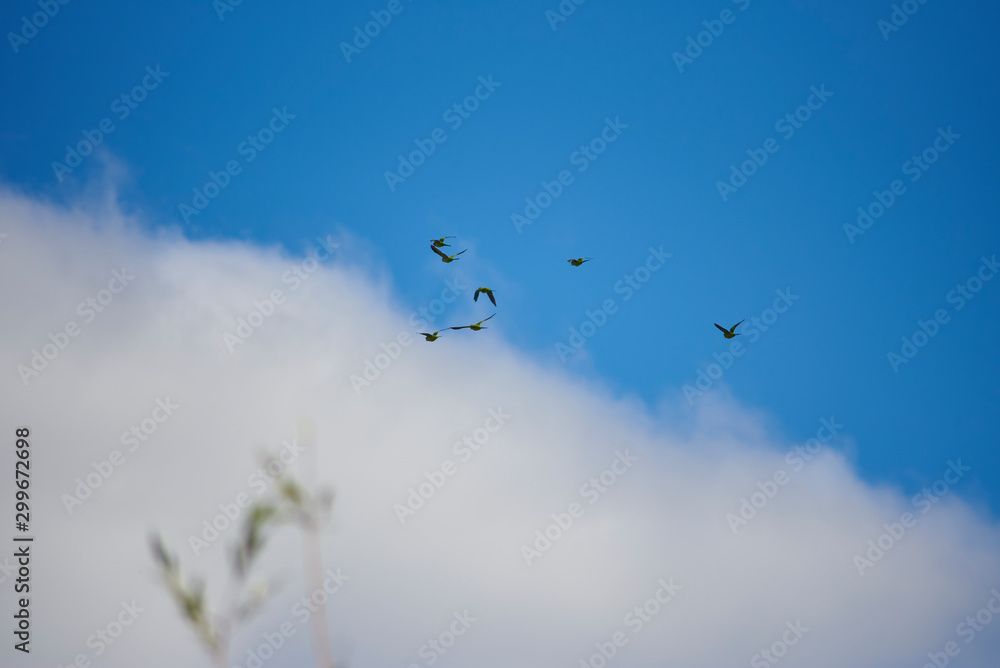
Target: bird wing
<point x="482" y="321"/>
<point x="462" y="327"/>
<point x="489" y="293"/>
<point x="736" y="325"/>
<point x="459" y="253"/>
<point x="721" y="328"/>
<point x="475" y="297"/>
<point x="435" y="249"/>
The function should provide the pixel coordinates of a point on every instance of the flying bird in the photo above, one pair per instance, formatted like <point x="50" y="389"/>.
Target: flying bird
<point x="440" y="242"/>
<point x="731" y="332"/>
<point x="475" y="328"/>
<point x="431" y="337"/>
<point x="577" y="262"/>
<point x="488" y="292"/>
<point x="447" y="258"/>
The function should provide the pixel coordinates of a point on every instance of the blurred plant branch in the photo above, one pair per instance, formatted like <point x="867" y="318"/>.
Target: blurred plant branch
<point x="286" y="502"/>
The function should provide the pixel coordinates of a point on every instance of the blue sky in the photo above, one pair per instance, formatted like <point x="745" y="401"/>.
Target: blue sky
<point x="711" y="157"/>
<point x="655" y="184"/>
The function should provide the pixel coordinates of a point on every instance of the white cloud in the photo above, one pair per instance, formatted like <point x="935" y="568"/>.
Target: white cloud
<point x="663" y="518"/>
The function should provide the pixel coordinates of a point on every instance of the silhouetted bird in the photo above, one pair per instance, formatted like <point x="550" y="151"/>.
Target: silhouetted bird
<point x="475" y="328"/>
<point x="447" y="258"/>
<point x="488" y="292"/>
<point x="731" y="332"/>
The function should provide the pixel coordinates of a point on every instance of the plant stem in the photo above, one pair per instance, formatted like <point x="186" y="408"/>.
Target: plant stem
<point x="312" y="554"/>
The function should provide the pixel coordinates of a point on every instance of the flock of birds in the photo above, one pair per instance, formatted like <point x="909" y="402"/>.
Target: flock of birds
<point x="438" y="244"/>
